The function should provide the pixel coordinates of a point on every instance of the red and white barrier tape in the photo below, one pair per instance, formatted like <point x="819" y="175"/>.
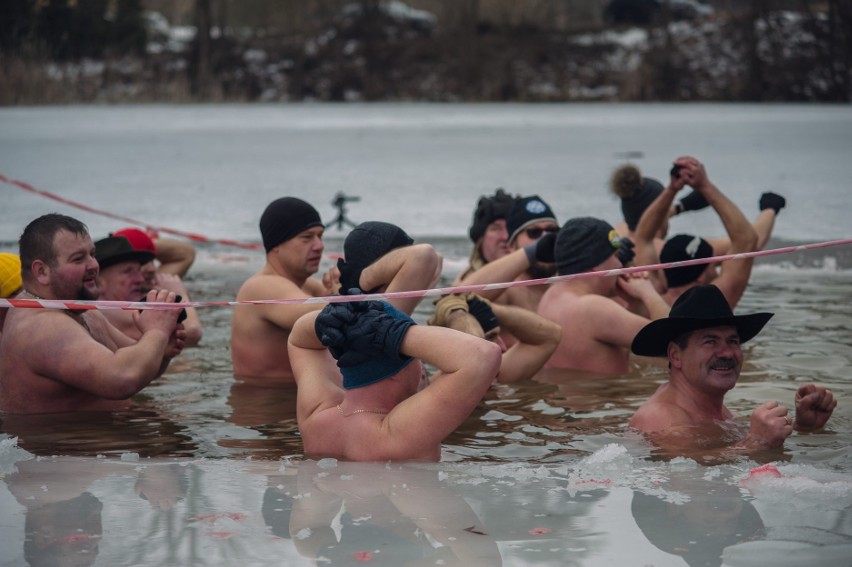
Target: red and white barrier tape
<point x="188" y="235"/>
<point x="105" y="305"/>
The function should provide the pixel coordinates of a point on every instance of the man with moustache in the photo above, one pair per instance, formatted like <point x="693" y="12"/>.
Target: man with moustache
<point x="60" y="360"/>
<point x="702" y="339"/>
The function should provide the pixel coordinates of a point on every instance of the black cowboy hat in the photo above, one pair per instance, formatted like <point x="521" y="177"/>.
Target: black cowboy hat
<point x="698" y="307"/>
<point x="115" y="249"/>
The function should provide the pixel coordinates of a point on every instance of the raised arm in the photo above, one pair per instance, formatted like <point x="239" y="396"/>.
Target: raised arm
<point x="466" y="365"/>
<point x="537" y="339"/>
<point x="504" y="269"/>
<point x="315" y="371"/>
<point x="175" y="256"/>
<point x="734" y="273"/>
<point x="409" y="268"/>
<point x="649" y="226"/>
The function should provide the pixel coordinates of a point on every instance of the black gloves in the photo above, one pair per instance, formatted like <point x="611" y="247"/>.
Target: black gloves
<point x="356" y="331"/>
<point x="543" y="249"/>
<point x="625" y="252"/>
<point x="695" y="201"/>
<point x="350" y="276"/>
<point x="770" y="200"/>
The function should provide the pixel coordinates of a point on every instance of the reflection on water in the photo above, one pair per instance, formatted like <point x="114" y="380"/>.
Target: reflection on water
<point x="607" y="508"/>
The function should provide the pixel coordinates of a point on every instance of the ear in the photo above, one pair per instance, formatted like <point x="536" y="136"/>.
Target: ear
<point x="674" y="354"/>
<point x="40" y="271"/>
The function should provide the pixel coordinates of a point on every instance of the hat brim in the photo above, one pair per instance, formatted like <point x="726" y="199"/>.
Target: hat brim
<point x="654" y="338"/>
<point x="141" y="256"/>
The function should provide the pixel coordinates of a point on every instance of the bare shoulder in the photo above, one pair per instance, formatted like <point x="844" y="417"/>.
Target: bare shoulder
<point x="268" y="286"/>
<point x="50" y="340"/>
<point x="658" y="415"/>
<point x="41" y="324"/>
<point x="557" y="296"/>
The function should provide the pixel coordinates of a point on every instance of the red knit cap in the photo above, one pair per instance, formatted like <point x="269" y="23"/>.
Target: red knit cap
<point x="139" y="239"/>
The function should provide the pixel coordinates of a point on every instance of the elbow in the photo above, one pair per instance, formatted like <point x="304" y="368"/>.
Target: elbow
<point x="428" y="259"/>
<point x="193" y="335"/>
<point x="553" y="341"/>
<point x="124" y="388"/>
<point x="489" y="358"/>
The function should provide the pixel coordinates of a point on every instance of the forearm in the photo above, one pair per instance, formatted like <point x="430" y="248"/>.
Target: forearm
<point x="655" y="216"/>
<point x="505" y="269"/>
<point x="739" y="229"/>
<point x="528" y="327"/>
<point x="469" y="362"/>
<point x="656" y="305"/>
<point x="139" y="364"/>
<point x="400" y="268"/>
<point x="175" y="256"/>
<point x="763" y="226"/>
<point x="304" y="334"/>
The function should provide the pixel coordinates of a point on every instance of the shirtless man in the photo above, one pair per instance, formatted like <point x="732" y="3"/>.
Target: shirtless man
<point x="292" y="236"/>
<point x="731" y="276"/>
<point x="54" y="360"/>
<point x="123" y="277"/>
<point x="597" y="328"/>
<point x="383" y="411"/>
<point x="529" y="220"/>
<point x="702" y="339"/>
<point x="381" y="258"/>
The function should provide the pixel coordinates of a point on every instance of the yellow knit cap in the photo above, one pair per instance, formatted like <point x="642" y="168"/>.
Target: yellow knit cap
<point x="10" y="274"/>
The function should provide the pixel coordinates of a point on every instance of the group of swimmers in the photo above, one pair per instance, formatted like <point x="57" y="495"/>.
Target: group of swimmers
<point x="362" y="389"/>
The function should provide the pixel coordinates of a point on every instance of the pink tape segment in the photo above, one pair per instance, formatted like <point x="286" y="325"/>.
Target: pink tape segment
<point x="107" y="305"/>
<point x="64" y="304"/>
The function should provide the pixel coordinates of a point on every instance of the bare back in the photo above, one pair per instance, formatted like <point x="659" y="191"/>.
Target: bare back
<point x="358" y="437"/>
<point x="586" y="320"/>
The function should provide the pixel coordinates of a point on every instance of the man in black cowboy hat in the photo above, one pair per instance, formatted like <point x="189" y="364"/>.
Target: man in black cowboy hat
<point x="702" y="339"/>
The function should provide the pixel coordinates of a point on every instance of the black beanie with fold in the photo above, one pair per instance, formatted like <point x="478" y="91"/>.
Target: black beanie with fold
<point x="284" y="218"/>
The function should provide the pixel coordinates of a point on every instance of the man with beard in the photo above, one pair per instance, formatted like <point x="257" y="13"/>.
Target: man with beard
<point x="532" y="227"/>
<point x="60" y="360"/>
<point x="597" y="314"/>
<point x="702" y="339"/>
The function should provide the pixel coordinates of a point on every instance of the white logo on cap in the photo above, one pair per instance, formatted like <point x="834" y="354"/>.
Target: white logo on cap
<point x="692" y="247"/>
<point x="536" y="207"/>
